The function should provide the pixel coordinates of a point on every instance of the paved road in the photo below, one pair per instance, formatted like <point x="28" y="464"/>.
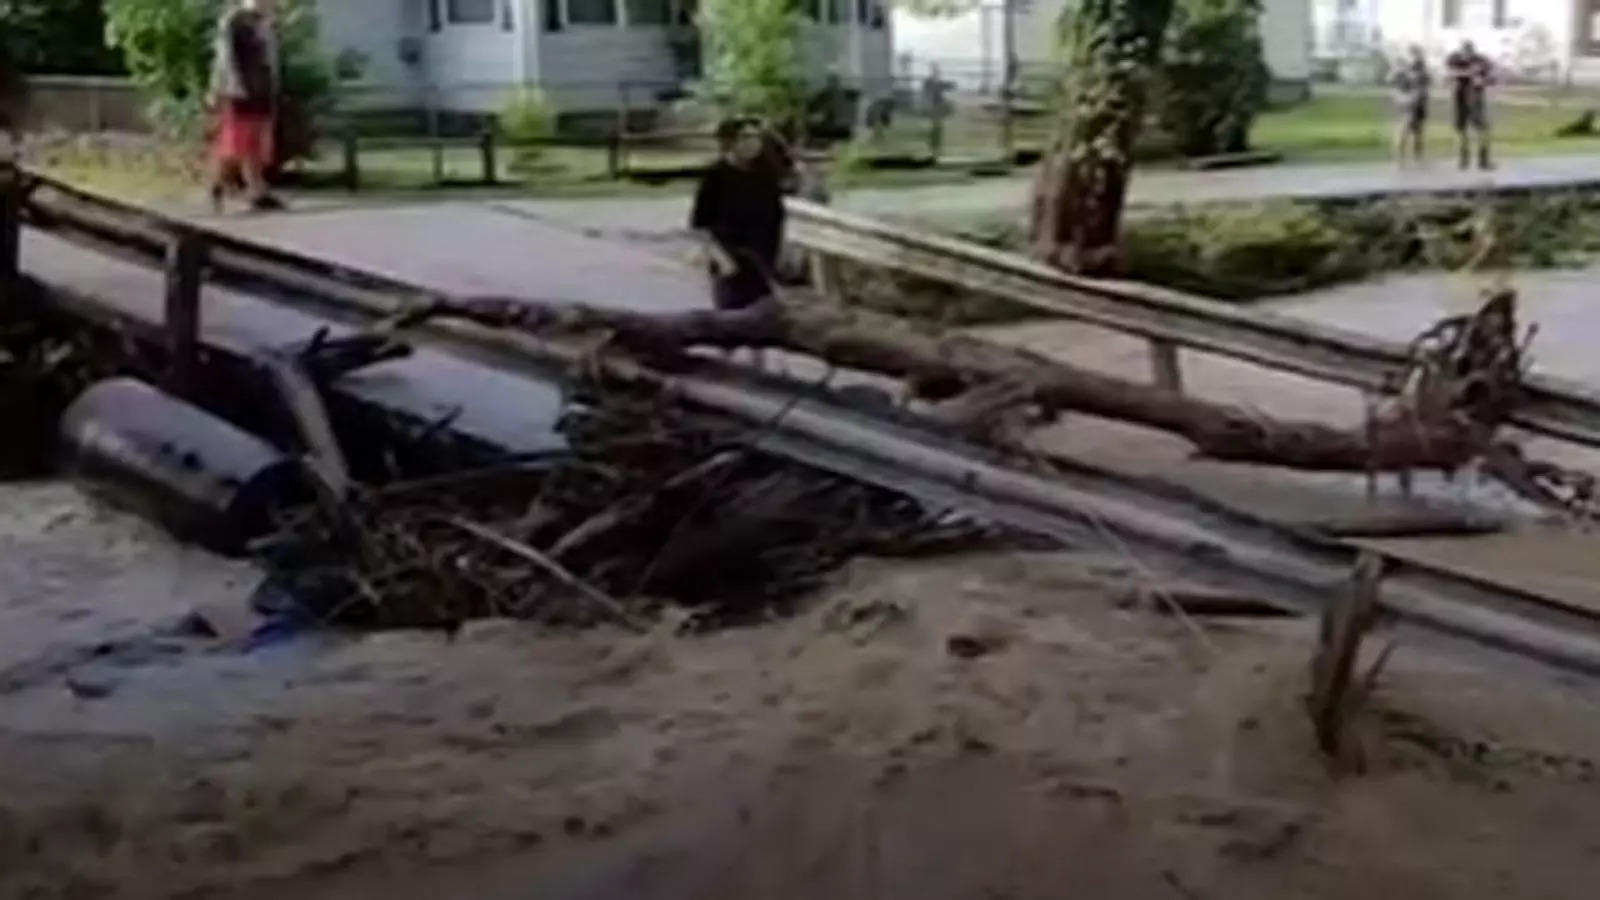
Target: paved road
<point x="487" y="403"/>
<point x="483" y="248"/>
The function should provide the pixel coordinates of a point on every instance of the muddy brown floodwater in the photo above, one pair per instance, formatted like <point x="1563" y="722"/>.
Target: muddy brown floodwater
<point x="1067" y="748"/>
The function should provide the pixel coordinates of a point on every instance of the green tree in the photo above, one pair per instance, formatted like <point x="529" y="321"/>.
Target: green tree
<point x="167" y="46"/>
<point x="754" y="60"/>
<point x="1213" y="79"/>
<point x="57" y="36"/>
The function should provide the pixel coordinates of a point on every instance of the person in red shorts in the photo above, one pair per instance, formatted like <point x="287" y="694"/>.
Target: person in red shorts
<point x="244" y="94"/>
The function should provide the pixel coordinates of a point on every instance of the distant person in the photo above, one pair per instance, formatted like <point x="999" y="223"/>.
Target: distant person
<point x="738" y="215"/>
<point x="1470" y="74"/>
<point x="935" y="93"/>
<point x="1411" y="85"/>
<point x="244" y="96"/>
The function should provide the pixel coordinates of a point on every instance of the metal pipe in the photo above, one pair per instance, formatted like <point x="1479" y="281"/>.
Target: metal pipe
<point x="203" y="478"/>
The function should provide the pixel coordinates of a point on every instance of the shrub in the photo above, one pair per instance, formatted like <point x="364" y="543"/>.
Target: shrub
<point x="754" y="62"/>
<point x="525" y="120"/>
<point x="66" y="36"/>
<point x="1213" y="80"/>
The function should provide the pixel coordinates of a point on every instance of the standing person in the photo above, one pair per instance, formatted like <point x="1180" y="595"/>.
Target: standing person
<point x="738" y="216"/>
<point x="1470" y="74"/>
<point x="244" y="95"/>
<point x="1411" y="85"/>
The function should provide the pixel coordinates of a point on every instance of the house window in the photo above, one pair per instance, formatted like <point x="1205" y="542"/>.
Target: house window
<point x="836" y="12"/>
<point x="1451" y="10"/>
<point x="649" y="12"/>
<point x="591" y="12"/>
<point x="507" y="23"/>
<point x="1499" y="13"/>
<point x="434" y="22"/>
<point x="813" y="10"/>
<point x="552" y="15"/>
<point x="470" y="12"/>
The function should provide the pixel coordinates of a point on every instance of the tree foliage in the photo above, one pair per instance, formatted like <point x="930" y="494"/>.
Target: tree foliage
<point x="755" y="63"/>
<point x="167" y="46"/>
<point x="1213" y="80"/>
<point x="57" y="36"/>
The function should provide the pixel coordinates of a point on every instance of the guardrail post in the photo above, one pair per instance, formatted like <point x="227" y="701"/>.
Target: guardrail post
<point x="10" y="231"/>
<point x="1165" y="365"/>
<point x="486" y="147"/>
<point x="936" y="136"/>
<point x="352" y="159"/>
<point x="186" y="257"/>
<point x="825" y="277"/>
<point x="614" y="155"/>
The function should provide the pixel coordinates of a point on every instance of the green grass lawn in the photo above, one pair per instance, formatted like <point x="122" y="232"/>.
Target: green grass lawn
<point x="1340" y="125"/>
<point x="1354" y="127"/>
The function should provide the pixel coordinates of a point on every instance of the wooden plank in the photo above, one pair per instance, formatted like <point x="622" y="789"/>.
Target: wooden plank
<point x="1165" y="367"/>
<point x="186" y="258"/>
<point x="1346" y="618"/>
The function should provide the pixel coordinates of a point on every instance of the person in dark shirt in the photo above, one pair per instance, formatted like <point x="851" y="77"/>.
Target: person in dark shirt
<point x="738" y="216"/>
<point x="1471" y="73"/>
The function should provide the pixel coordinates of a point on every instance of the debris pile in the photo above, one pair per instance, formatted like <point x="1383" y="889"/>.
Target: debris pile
<point x="646" y="507"/>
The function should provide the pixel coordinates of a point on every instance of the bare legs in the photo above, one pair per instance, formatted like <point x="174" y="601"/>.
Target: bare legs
<point x="1408" y="143"/>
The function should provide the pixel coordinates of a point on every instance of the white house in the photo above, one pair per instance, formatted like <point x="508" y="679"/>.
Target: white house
<point x="467" y="55"/>
<point x="1550" y="39"/>
<point x="970" y="47"/>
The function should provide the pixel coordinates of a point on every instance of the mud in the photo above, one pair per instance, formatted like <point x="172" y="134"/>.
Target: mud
<point x="982" y="726"/>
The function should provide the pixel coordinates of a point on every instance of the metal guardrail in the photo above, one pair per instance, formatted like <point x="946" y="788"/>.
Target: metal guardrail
<point x="1299" y="568"/>
<point x="1168" y="319"/>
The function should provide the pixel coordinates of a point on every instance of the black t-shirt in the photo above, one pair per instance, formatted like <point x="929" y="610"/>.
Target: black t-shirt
<point x="250" y="58"/>
<point x="743" y="209"/>
<point x="1470" y="74"/>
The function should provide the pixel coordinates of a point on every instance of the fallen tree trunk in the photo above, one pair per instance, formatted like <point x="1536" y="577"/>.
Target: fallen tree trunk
<point x="1450" y="403"/>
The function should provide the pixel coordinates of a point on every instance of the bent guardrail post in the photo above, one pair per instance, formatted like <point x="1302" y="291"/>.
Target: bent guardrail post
<point x="186" y="258"/>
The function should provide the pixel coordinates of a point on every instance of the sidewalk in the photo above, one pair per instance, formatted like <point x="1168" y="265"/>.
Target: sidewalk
<point x="647" y="217"/>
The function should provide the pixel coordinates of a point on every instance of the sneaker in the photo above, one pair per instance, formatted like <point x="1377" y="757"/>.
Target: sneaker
<point x="266" y="203"/>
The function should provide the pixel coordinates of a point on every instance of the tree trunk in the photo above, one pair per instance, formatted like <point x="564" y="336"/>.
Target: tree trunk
<point x="1464" y="384"/>
<point x="1078" y="196"/>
